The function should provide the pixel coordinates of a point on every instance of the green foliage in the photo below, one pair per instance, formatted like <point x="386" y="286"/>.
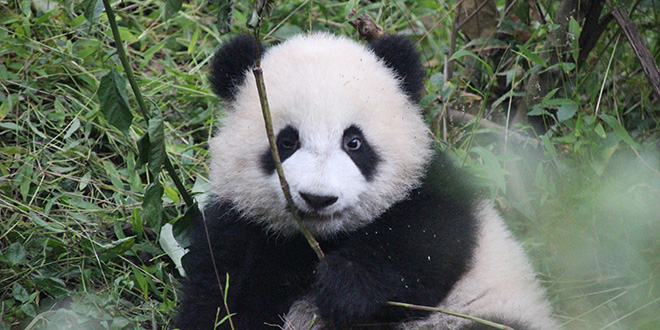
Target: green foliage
<point x="114" y="102"/>
<point x="83" y="195"/>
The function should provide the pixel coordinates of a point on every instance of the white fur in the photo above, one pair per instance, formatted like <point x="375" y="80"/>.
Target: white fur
<point x="320" y="84"/>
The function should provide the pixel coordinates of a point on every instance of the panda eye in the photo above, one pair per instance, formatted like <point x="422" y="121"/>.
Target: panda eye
<point x="352" y="143"/>
<point x="288" y="144"/>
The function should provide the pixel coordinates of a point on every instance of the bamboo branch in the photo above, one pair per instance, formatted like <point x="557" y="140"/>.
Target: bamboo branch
<point x="138" y="96"/>
<point x="436" y="309"/>
<point x="255" y="24"/>
<point x="640" y="48"/>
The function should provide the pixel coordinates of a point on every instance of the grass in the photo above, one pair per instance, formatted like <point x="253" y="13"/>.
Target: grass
<point x="77" y="249"/>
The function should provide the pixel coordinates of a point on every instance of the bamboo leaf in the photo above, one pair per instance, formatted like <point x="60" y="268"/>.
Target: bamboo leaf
<point x="566" y="111"/>
<point x="114" y="102"/>
<point x="156" y="143"/>
<point x="93" y="9"/>
<point x="15" y="254"/>
<point x="143" y="150"/>
<point x="172" y="7"/>
<point x="618" y="129"/>
<point x="152" y="205"/>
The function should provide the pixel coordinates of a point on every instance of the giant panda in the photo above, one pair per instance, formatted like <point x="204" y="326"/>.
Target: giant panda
<point x="396" y="221"/>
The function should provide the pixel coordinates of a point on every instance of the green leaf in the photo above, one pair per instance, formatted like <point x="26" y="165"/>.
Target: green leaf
<point x="119" y="322"/>
<point x="538" y="110"/>
<point x="156" y="143"/>
<point x="19" y="293"/>
<point x="143" y="150"/>
<point x="84" y="180"/>
<point x="530" y="56"/>
<point x="45" y="5"/>
<point x="172" y="7"/>
<point x="26" y="180"/>
<point x="7" y="105"/>
<point x="618" y="129"/>
<point x="93" y="9"/>
<point x="549" y="146"/>
<point x="75" y="125"/>
<point x="142" y="281"/>
<point x="53" y="285"/>
<point x="600" y="131"/>
<point x="566" y="111"/>
<point x="574" y="29"/>
<point x="15" y="254"/>
<point x="113" y="175"/>
<point x="181" y="228"/>
<point x="114" y="102"/>
<point x="494" y="171"/>
<point x="464" y="52"/>
<point x="558" y="102"/>
<point x="118" y="247"/>
<point x="172" y="193"/>
<point x="29" y="310"/>
<point x="137" y="222"/>
<point x="152" y="205"/>
<point x="225" y="14"/>
<point x="549" y="96"/>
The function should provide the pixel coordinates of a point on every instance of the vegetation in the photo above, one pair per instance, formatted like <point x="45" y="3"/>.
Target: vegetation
<point x="554" y="114"/>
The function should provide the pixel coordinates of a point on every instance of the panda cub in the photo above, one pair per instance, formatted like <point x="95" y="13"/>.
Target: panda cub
<point x="396" y="221"/>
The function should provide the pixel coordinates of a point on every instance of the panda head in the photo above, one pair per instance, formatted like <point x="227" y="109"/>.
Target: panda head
<point x="351" y="139"/>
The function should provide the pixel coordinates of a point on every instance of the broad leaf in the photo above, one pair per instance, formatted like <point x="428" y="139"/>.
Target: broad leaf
<point x="156" y="143"/>
<point x="114" y="102"/>
<point x="152" y="205"/>
<point x="172" y="7"/>
<point x="618" y="129"/>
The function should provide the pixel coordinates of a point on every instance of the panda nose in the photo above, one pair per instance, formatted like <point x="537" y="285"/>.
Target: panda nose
<point x="318" y="202"/>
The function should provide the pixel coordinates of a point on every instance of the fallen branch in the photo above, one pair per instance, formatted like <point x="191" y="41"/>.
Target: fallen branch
<point x="366" y="26"/>
<point x="640" y="48"/>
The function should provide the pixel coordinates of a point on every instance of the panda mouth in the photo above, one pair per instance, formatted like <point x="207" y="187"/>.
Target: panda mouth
<point x="312" y="216"/>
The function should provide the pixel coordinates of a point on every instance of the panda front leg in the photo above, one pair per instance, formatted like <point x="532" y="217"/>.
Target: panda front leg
<point x="304" y="314"/>
<point x="350" y="291"/>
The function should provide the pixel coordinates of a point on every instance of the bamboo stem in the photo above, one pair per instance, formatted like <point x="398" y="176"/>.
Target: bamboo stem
<point x="140" y="100"/>
<point x="436" y="309"/>
<point x="265" y="109"/>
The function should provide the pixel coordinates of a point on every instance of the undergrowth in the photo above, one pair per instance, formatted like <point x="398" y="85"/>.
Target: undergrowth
<point x="79" y="237"/>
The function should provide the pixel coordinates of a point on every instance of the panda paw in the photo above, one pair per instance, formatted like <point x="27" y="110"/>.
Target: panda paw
<point x="303" y="315"/>
<point x="347" y="293"/>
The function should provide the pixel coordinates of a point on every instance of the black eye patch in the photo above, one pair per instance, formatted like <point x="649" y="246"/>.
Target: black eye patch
<point x="363" y="155"/>
<point x="288" y="142"/>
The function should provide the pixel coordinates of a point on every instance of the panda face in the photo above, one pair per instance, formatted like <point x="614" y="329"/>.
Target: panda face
<point x="328" y="171"/>
<point x="350" y="140"/>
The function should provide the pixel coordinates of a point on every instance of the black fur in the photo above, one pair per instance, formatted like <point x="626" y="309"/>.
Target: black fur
<point x="287" y="144"/>
<point x="365" y="158"/>
<point x="230" y="64"/>
<point x="401" y="56"/>
<point x="415" y="252"/>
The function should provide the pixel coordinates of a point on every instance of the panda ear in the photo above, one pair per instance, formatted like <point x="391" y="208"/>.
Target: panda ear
<point x="230" y="65"/>
<point x="400" y="55"/>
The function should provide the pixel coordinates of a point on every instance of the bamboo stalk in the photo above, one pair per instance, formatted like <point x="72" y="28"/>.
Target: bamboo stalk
<point x="255" y="24"/>
<point x="140" y="100"/>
